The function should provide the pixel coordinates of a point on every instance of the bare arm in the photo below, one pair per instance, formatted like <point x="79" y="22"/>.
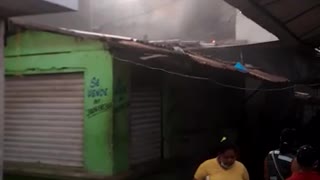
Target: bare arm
<point x="199" y="179"/>
<point x="201" y="172"/>
<point x="245" y="174"/>
<point x="294" y="166"/>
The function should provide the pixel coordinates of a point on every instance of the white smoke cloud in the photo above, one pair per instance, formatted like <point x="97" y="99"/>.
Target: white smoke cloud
<point x="158" y="19"/>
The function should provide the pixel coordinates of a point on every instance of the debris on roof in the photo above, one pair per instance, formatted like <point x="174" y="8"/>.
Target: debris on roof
<point x="167" y="56"/>
<point x="306" y="98"/>
<point x="302" y="95"/>
<point x="183" y="44"/>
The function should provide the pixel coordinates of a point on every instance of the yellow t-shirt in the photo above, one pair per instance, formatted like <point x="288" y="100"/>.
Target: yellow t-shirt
<point x="214" y="171"/>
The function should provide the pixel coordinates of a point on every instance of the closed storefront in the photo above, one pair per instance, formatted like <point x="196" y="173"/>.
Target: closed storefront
<point x="44" y="119"/>
<point x="145" y="119"/>
<point x="145" y="125"/>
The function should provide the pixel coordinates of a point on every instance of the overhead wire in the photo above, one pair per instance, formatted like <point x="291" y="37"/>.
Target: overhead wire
<point x="208" y="79"/>
<point x="146" y="12"/>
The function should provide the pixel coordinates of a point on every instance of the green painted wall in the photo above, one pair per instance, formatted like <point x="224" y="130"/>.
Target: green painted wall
<point x="34" y="52"/>
<point x="35" y="42"/>
<point x="122" y="79"/>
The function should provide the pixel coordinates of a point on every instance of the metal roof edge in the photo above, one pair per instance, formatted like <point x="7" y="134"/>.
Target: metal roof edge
<point x="131" y="43"/>
<point x="66" y="31"/>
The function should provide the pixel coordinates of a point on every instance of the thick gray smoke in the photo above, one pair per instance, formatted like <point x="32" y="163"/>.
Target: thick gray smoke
<point x="156" y="19"/>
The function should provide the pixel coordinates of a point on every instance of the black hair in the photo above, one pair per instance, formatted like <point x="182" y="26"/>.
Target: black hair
<point x="288" y="139"/>
<point x="226" y="145"/>
<point x="306" y="156"/>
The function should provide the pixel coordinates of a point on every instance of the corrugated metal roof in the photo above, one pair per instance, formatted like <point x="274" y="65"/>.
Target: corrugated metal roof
<point x="157" y="55"/>
<point x="295" y="21"/>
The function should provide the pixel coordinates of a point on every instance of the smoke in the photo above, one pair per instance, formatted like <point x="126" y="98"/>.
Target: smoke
<point x="157" y="19"/>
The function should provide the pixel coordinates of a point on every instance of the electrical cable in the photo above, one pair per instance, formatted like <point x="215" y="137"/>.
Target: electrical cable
<point x="209" y="79"/>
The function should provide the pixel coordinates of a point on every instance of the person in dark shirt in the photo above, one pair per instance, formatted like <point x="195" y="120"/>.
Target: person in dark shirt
<point x="311" y="133"/>
<point x="306" y="161"/>
<point x="278" y="162"/>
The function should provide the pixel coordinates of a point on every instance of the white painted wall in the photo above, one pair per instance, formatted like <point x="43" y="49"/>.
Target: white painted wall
<point x="248" y="30"/>
<point x="71" y="4"/>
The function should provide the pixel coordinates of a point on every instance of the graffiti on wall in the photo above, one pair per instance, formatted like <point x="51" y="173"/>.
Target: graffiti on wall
<point x="97" y="93"/>
<point x="99" y="109"/>
<point x="96" y="90"/>
<point x="120" y="92"/>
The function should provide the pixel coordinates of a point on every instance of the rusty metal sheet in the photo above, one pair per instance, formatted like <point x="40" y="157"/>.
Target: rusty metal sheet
<point x="201" y="61"/>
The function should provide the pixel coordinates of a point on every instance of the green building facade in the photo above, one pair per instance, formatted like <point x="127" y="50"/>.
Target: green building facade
<point x="36" y="53"/>
<point x="129" y="115"/>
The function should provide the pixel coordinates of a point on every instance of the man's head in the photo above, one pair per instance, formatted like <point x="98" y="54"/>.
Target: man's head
<point x="306" y="157"/>
<point x="227" y="154"/>
<point x="288" y="139"/>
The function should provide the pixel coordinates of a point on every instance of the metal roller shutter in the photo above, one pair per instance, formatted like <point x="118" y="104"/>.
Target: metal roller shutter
<point x="44" y="119"/>
<point x="145" y="126"/>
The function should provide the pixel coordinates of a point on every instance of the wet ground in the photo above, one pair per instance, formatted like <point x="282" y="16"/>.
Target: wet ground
<point x="11" y="177"/>
<point x="161" y="177"/>
<point x="164" y="176"/>
<point x="174" y="171"/>
<point x="158" y="176"/>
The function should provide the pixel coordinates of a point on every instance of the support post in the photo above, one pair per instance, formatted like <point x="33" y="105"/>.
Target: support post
<point x="2" y="86"/>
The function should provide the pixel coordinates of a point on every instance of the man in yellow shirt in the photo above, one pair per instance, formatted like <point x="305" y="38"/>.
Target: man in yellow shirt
<point x="224" y="167"/>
